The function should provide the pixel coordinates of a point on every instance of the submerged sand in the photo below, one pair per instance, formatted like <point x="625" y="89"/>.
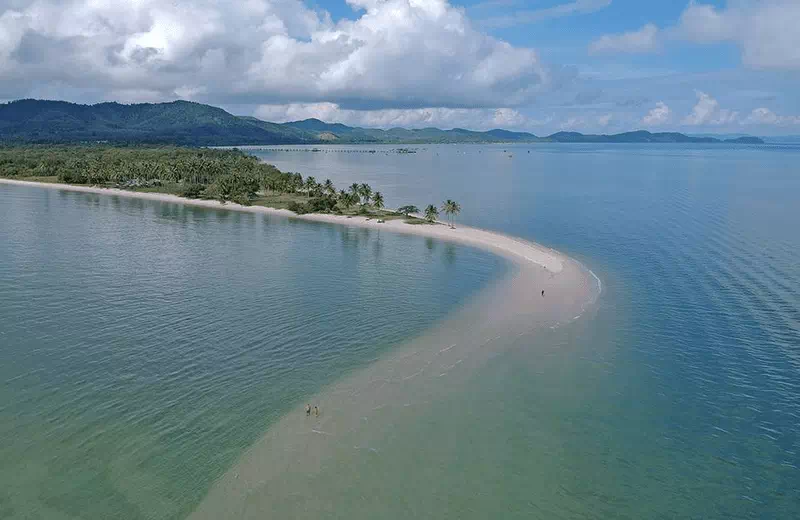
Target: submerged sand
<point x="316" y="467"/>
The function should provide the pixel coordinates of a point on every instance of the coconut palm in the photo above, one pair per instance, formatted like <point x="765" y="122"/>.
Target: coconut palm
<point x="451" y="208"/>
<point x="431" y="213"/>
<point x="377" y="200"/>
<point x="311" y="184"/>
<point x="297" y="182"/>
<point x="366" y="192"/>
<point x="345" y="199"/>
<point x="330" y="189"/>
<point x="355" y="189"/>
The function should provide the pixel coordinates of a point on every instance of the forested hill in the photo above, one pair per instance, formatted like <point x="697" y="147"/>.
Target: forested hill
<point x="179" y="122"/>
<point x="188" y="123"/>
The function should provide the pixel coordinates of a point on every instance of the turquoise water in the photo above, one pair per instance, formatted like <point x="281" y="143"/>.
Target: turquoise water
<point x="144" y="345"/>
<point x="679" y="399"/>
<point x="130" y="383"/>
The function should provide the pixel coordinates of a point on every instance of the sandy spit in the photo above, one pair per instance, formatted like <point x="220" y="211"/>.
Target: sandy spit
<point x="515" y="249"/>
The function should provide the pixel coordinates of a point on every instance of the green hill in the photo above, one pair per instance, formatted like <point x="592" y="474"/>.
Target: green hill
<point x="179" y="122"/>
<point x="187" y="123"/>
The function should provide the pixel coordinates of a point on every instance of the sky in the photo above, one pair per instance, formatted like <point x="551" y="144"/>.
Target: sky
<point x="599" y="66"/>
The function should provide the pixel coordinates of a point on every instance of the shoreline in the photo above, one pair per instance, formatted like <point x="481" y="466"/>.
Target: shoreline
<point x="290" y="470"/>
<point x="517" y="250"/>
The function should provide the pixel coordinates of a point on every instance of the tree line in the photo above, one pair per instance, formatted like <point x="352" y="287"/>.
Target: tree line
<point x="224" y="175"/>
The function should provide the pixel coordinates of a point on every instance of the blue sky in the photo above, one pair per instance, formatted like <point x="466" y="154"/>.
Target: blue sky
<point x="702" y="66"/>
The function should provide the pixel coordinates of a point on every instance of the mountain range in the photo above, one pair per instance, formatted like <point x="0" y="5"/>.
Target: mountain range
<point x="195" y="124"/>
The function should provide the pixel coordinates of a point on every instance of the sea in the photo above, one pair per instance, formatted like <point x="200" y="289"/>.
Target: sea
<point x="147" y="347"/>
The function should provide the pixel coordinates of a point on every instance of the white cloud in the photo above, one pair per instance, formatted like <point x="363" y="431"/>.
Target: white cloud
<point x="644" y="40"/>
<point x="604" y="120"/>
<point x="537" y="15"/>
<point x="478" y="119"/>
<point x="659" y="115"/>
<point x="766" y="31"/>
<point x="396" y="52"/>
<point x="765" y="116"/>
<point x="587" y="123"/>
<point x="708" y="112"/>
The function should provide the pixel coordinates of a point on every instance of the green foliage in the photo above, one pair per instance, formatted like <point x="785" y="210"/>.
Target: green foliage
<point x="365" y="191"/>
<point x="323" y="204"/>
<point x="377" y="200"/>
<point x="178" y="122"/>
<point x="431" y="213"/>
<point x="451" y="208"/>
<point x="224" y="175"/>
<point x="192" y="191"/>
<point x="407" y="210"/>
<point x="298" y="207"/>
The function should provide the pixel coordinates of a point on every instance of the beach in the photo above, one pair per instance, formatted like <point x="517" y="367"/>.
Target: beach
<point x="289" y="471"/>
<point x="512" y="248"/>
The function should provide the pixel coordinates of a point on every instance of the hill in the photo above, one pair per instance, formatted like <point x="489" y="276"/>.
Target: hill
<point x="188" y="123"/>
<point x="643" y="136"/>
<point x="178" y="122"/>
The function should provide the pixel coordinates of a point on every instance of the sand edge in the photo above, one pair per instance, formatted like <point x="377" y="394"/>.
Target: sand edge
<point x="515" y="249"/>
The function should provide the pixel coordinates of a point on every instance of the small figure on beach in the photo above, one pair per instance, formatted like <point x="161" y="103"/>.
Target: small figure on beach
<point x="542" y="293"/>
<point x="316" y="411"/>
<point x="308" y="409"/>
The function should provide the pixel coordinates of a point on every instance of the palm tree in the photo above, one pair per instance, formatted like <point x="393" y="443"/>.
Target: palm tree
<point x="366" y="193"/>
<point x="311" y="184"/>
<point x="377" y="200"/>
<point x="345" y="199"/>
<point x="451" y="207"/>
<point x="431" y="213"/>
<point x="355" y="189"/>
<point x="330" y="189"/>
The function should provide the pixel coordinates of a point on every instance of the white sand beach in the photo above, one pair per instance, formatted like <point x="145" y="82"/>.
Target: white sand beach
<point x="517" y="250"/>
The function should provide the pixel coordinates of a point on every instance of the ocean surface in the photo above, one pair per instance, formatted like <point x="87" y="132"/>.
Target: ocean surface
<point x="145" y="346"/>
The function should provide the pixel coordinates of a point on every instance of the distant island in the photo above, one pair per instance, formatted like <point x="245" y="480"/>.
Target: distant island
<point x="194" y="124"/>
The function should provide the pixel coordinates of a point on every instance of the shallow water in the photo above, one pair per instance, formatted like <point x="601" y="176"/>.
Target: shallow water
<point x="675" y="397"/>
<point x="680" y="397"/>
<point x="145" y="345"/>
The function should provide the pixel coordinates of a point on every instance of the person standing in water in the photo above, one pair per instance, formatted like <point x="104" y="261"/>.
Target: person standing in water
<point x="308" y="409"/>
<point x="316" y="411"/>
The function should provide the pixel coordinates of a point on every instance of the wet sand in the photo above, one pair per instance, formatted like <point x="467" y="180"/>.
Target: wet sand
<point x="299" y="468"/>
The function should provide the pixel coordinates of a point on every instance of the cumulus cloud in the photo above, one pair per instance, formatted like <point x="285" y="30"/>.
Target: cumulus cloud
<point x="708" y="112"/>
<point x="765" y="116"/>
<point x="401" y="53"/>
<point x="659" y="115"/>
<point x="765" y="31"/>
<point x="644" y="40"/>
<point x="479" y="119"/>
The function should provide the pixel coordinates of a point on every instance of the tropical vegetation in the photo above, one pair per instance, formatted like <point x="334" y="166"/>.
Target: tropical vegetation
<point x="431" y="213"/>
<point x="451" y="208"/>
<point x="200" y="173"/>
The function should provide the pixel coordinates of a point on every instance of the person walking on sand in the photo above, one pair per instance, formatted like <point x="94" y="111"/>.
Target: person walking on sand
<point x="308" y="409"/>
<point x="542" y="293"/>
<point x="316" y="411"/>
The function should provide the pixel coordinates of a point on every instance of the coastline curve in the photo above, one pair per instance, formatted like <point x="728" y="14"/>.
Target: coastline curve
<point x="362" y="411"/>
